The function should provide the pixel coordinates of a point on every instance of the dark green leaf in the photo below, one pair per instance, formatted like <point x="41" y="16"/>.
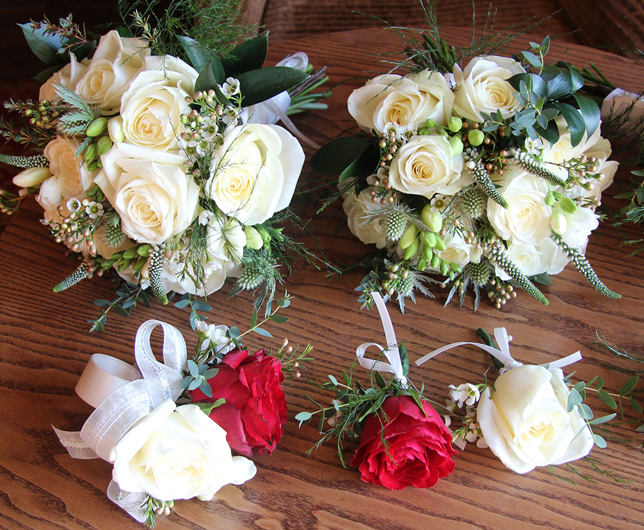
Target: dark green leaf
<point x="551" y="134"/>
<point x="629" y="385"/>
<point x="120" y="311"/>
<point x="363" y="166"/>
<point x="543" y="279"/>
<point x="345" y="376"/>
<point x="206" y="79"/>
<point x="404" y="359"/>
<point x="536" y="84"/>
<point x="102" y="303"/>
<point x="45" y="47"/>
<point x="600" y="383"/>
<point x="249" y="55"/>
<point x="635" y="405"/>
<point x="262" y="84"/>
<point x="560" y="86"/>
<point x="576" y="78"/>
<point x="279" y="319"/>
<point x="200" y="57"/>
<point x="590" y="112"/>
<point x="253" y="318"/>
<point x="549" y="73"/>
<point x="574" y="120"/>
<point x="380" y="381"/>
<point x="603" y="419"/>
<point x="550" y="113"/>
<point x="262" y="332"/>
<point x="607" y="399"/>
<point x="46" y="74"/>
<point x="337" y="155"/>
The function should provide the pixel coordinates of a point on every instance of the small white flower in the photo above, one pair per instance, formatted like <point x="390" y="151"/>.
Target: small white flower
<point x="534" y="147"/>
<point x="466" y="393"/>
<point x="438" y="203"/>
<point x="447" y="420"/>
<point x="395" y="128"/>
<point x="481" y="443"/>
<point x="216" y="334"/>
<point x="202" y="326"/>
<point x="94" y="209"/>
<point x="471" y="437"/>
<point x="205" y="217"/>
<point x="73" y="205"/>
<point x="230" y="87"/>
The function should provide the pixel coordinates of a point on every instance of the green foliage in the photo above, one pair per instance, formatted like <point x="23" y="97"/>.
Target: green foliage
<point x="262" y="84"/>
<point x="215" y="24"/>
<point x="127" y="296"/>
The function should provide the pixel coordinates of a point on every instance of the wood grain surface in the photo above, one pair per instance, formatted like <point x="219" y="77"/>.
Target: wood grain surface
<point x="45" y="346"/>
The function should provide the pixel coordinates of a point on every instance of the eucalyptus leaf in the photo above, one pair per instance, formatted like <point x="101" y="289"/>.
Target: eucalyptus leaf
<point x="303" y="416"/>
<point x="249" y="55"/>
<point x="635" y="405"/>
<point x="603" y="419"/>
<point x="44" y="46"/>
<point x="262" y="332"/>
<point x="337" y="155"/>
<point x="194" y="384"/>
<point x="551" y="134"/>
<point x="264" y="83"/>
<point x="574" y="399"/>
<point x="333" y="380"/>
<point x="532" y="59"/>
<point x="194" y="369"/>
<point x="205" y="388"/>
<point x="234" y="332"/>
<point x="599" y="441"/>
<point x="253" y="318"/>
<point x="607" y="399"/>
<point x="279" y="319"/>
<point x="629" y="385"/>
<point x="182" y="303"/>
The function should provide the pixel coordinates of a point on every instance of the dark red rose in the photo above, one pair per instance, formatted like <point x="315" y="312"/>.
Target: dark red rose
<point x="419" y="447"/>
<point x="255" y="407"/>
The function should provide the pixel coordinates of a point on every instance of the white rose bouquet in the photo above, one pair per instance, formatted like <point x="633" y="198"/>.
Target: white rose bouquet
<point x="160" y="157"/>
<point x="486" y="175"/>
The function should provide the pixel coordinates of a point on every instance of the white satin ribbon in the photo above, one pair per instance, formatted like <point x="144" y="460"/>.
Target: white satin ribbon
<point x="502" y="354"/>
<point x="121" y="398"/>
<point x="288" y="123"/>
<point x="392" y="352"/>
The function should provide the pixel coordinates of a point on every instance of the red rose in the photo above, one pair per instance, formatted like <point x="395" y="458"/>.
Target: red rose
<point x="255" y="407"/>
<point x="419" y="446"/>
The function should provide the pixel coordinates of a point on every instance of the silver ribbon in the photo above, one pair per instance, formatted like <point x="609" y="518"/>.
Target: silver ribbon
<point x="122" y="397"/>
<point x="502" y="354"/>
<point x="392" y="352"/>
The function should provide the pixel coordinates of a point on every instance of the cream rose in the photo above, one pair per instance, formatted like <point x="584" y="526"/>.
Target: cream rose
<point x="357" y="208"/>
<point x="254" y="172"/>
<point x="618" y="102"/>
<point x="405" y="101"/>
<point x="114" y="65"/>
<point x="525" y="421"/>
<point x="425" y="165"/>
<point x="177" y="453"/>
<point x="527" y="217"/>
<point x="482" y="87"/>
<point x="151" y="108"/>
<point x="68" y="76"/>
<point x="458" y="251"/>
<point x="150" y="191"/>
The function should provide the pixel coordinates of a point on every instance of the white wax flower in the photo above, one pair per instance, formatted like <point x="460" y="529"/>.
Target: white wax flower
<point x="254" y="172"/>
<point x="482" y="87"/>
<point x="525" y="421"/>
<point x="406" y="101"/>
<point x="466" y="393"/>
<point x="177" y="453"/>
<point x="426" y="165"/>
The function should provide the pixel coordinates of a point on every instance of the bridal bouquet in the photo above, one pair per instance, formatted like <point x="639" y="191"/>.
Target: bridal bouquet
<point x="166" y="167"/>
<point x="169" y="428"/>
<point x="486" y="174"/>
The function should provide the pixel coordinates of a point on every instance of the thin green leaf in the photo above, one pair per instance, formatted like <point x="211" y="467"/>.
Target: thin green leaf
<point x="607" y="399"/>
<point x="602" y="419"/>
<point x="262" y="332"/>
<point x="253" y="318"/>
<point x="279" y="319"/>
<point x="635" y="405"/>
<point x="629" y="385"/>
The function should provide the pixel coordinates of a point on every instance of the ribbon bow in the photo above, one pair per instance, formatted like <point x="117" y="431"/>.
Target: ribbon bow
<point x="392" y="352"/>
<point x="502" y="354"/>
<point x="122" y="397"/>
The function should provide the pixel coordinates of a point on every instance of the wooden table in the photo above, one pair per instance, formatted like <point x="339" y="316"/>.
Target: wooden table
<point x="45" y="346"/>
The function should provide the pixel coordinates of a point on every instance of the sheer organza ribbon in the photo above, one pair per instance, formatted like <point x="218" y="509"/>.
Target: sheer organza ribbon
<point x="502" y="353"/>
<point x="122" y="397"/>
<point x="392" y="352"/>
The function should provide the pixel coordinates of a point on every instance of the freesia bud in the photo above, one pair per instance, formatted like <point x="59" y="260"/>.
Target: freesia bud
<point x="96" y="128"/>
<point x="115" y="129"/>
<point x="567" y="205"/>
<point x="558" y="221"/>
<point x="31" y="177"/>
<point x="253" y="238"/>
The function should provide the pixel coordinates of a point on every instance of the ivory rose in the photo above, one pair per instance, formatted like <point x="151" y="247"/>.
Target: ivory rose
<point x="482" y="87"/>
<point x="254" y="172"/>
<point x="151" y="108"/>
<point x="114" y="65"/>
<point x="525" y="421"/>
<point x="357" y="208"/>
<point x="177" y="453"/>
<point x="150" y="191"/>
<point x="404" y="101"/>
<point x="68" y="76"/>
<point x="426" y="165"/>
<point x="527" y="217"/>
